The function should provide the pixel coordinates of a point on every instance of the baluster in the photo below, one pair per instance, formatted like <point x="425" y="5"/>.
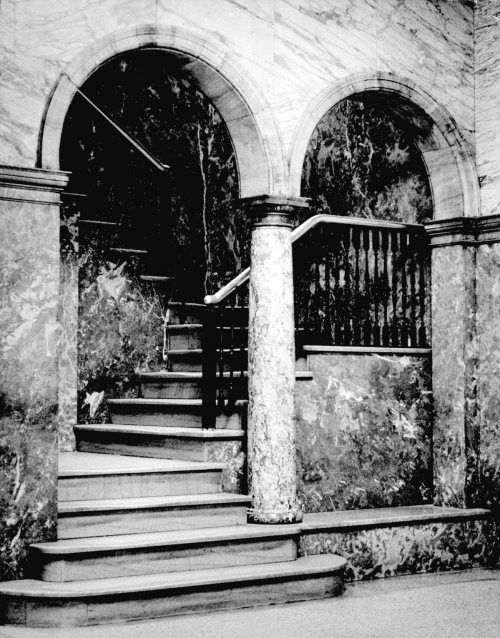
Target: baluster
<point x="241" y="349"/>
<point x="385" y="289"/>
<point x="412" y="241"/>
<point x="328" y="308"/>
<point x="346" y="243"/>
<point x="230" y="353"/>
<point x="394" y="260"/>
<point x="220" y="359"/>
<point x="209" y="369"/>
<point x="356" y="306"/>
<point x="376" y="286"/>
<point x="367" y="323"/>
<point x="424" y="299"/>
<point x="316" y="298"/>
<point x="337" y="297"/>
<point x="404" y="289"/>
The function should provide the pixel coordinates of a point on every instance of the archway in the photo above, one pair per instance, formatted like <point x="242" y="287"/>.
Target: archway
<point x="449" y="164"/>
<point x="127" y="329"/>
<point x="217" y="74"/>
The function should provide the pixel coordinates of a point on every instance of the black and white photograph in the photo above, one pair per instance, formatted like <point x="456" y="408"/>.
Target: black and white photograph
<point x="250" y="318"/>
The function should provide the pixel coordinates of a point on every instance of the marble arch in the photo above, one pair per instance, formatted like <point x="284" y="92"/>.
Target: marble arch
<point x="250" y="122"/>
<point x="450" y="167"/>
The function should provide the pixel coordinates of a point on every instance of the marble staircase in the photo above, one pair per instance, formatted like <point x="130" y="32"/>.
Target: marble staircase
<point x="145" y="528"/>
<point x="153" y="523"/>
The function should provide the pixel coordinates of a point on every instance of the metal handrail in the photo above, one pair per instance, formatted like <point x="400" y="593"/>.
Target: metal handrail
<point x="301" y="230"/>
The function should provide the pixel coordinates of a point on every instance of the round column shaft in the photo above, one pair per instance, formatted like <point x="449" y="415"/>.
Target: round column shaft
<point x="271" y="365"/>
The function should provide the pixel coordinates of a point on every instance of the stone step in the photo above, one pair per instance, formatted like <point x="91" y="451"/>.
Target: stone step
<point x="191" y="359"/>
<point x="97" y="224"/>
<point x="172" y="413"/>
<point x="188" y="444"/>
<point x="160" y="280"/>
<point x="96" y="476"/>
<point x="107" y="517"/>
<point x="188" y="385"/>
<point x="162" y="552"/>
<point x="43" y="604"/>
<point x="128" y="252"/>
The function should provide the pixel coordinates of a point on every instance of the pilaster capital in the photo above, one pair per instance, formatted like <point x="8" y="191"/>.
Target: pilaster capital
<point x="274" y="210"/>
<point x="35" y="185"/>
<point x="464" y="231"/>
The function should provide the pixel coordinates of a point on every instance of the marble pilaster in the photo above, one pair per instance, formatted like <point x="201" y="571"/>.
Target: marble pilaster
<point x="454" y="364"/>
<point x="29" y="349"/>
<point x="271" y="364"/>
<point x="488" y="328"/>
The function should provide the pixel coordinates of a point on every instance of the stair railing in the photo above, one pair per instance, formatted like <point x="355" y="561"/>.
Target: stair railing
<point x="358" y="283"/>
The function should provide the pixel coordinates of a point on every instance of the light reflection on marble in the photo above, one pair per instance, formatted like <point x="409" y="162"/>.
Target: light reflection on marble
<point x="363" y="432"/>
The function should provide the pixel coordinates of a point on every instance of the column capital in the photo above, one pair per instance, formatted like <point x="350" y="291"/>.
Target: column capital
<point x="274" y="210"/>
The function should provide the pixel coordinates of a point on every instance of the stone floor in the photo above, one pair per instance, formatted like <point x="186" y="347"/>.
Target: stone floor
<point x="458" y="605"/>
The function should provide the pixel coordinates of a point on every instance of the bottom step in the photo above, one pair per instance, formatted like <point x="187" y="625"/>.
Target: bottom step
<point x="44" y="604"/>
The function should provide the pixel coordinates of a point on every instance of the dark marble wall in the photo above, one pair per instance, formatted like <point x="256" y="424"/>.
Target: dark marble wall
<point x="186" y="219"/>
<point x="29" y="271"/>
<point x="362" y="161"/>
<point x="364" y="432"/>
<point x="120" y="330"/>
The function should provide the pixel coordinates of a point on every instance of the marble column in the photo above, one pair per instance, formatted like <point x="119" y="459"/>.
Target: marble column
<point x="271" y="363"/>
<point x="29" y="350"/>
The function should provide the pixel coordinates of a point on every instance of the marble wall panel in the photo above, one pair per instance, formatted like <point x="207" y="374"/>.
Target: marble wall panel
<point x="364" y="432"/>
<point x="393" y="551"/>
<point x="29" y="267"/>
<point x="59" y="30"/>
<point x="25" y="83"/>
<point x="487" y="76"/>
<point x="290" y="50"/>
<point x="322" y="42"/>
<point x="245" y="27"/>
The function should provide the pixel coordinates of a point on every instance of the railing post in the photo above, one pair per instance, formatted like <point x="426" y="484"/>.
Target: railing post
<point x="209" y="369"/>
<point x="271" y="363"/>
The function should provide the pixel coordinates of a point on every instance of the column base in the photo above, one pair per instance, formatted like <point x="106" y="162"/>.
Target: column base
<point x="275" y="517"/>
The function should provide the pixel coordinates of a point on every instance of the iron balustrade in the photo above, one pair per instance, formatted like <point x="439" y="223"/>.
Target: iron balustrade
<point x="358" y="283"/>
<point x="365" y="285"/>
